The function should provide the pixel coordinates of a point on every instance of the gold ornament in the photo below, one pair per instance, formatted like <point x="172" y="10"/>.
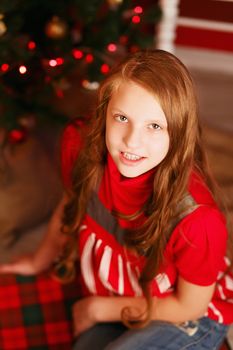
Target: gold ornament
<point x="114" y="3"/>
<point x="56" y="28"/>
<point x="3" y="27"/>
<point x="27" y="121"/>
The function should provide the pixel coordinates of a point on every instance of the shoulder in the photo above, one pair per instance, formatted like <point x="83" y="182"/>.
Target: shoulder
<point x="199" y="190"/>
<point x="206" y="224"/>
<point x="198" y="244"/>
<point x="205" y="220"/>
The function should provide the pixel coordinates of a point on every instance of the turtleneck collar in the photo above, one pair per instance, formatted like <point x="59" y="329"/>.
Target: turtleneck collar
<point x="122" y="194"/>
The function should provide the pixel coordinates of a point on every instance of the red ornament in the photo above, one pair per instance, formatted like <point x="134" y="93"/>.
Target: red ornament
<point x="17" y="135"/>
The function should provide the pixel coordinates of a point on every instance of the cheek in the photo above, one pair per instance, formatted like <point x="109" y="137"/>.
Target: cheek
<point x="109" y="136"/>
<point x="160" y="147"/>
<point x="112" y="134"/>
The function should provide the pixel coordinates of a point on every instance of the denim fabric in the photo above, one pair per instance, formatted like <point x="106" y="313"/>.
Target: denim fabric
<point x="99" y="336"/>
<point x="192" y="335"/>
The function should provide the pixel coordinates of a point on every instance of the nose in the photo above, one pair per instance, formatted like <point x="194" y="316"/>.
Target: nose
<point x="133" y="138"/>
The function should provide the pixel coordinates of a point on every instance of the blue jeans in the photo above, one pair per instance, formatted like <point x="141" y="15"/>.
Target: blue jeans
<point x="192" y="335"/>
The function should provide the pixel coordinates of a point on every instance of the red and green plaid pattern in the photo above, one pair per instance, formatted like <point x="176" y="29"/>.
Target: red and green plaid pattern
<point x="35" y="313"/>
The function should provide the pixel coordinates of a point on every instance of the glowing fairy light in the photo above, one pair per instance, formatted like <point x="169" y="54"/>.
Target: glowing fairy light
<point x="89" y="58"/>
<point x="104" y="68"/>
<point x="59" y="61"/>
<point x="77" y="54"/>
<point x="111" y="47"/>
<point x="136" y="19"/>
<point x="31" y="45"/>
<point x="138" y="10"/>
<point x="5" y="67"/>
<point x="52" y="63"/>
<point x="22" y="69"/>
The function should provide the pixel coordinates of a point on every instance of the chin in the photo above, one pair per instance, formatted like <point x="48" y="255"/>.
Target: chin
<point x="130" y="173"/>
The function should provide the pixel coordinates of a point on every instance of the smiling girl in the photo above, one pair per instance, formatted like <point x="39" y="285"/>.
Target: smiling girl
<point x="139" y="202"/>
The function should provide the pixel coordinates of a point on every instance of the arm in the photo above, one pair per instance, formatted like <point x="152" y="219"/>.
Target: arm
<point x="50" y="247"/>
<point x="188" y="302"/>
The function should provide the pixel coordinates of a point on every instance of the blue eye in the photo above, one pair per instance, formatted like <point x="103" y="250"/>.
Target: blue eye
<point x="121" y="118"/>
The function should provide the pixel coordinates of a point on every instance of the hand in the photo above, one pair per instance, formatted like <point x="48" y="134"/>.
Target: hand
<point x="24" y="266"/>
<point x="84" y="314"/>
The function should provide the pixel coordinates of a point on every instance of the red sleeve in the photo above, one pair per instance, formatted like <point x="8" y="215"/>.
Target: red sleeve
<point x="71" y="143"/>
<point x="199" y="246"/>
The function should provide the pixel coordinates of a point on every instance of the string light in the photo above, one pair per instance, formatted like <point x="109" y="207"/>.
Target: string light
<point x="52" y="63"/>
<point x="59" y="93"/>
<point x="59" y="61"/>
<point x="136" y="19"/>
<point x="90" y="85"/>
<point x="56" y="62"/>
<point x="111" y="47"/>
<point x="4" y="67"/>
<point x="22" y="69"/>
<point x="31" y="45"/>
<point x="89" y="58"/>
<point x="104" y="68"/>
<point x="78" y="54"/>
<point x="16" y="135"/>
<point x="138" y="10"/>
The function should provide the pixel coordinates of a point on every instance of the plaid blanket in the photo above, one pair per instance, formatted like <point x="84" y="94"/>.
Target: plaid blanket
<point x="35" y="313"/>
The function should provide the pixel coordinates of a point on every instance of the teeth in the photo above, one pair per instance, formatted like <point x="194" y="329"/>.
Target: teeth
<point x="130" y="156"/>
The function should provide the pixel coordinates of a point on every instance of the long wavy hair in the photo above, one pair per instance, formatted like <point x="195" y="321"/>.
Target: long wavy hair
<point x="163" y="75"/>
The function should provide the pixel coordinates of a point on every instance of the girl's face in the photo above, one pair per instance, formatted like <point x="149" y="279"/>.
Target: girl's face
<point x="136" y="130"/>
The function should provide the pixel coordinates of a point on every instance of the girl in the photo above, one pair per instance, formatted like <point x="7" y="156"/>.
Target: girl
<point x="151" y="239"/>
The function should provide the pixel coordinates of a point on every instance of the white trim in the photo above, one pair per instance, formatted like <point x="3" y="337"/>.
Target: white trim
<point x="205" y="24"/>
<point x="133" y="280"/>
<point x="86" y="264"/>
<point x="210" y="60"/>
<point x="166" y="29"/>
<point x="216" y="312"/>
<point x="163" y="282"/>
<point x="104" y="268"/>
<point x="121" y="275"/>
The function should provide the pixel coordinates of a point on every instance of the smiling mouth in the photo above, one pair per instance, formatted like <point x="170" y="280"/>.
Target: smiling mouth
<point x="131" y="157"/>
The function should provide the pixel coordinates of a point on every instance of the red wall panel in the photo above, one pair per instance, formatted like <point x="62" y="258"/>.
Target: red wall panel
<point x="209" y="10"/>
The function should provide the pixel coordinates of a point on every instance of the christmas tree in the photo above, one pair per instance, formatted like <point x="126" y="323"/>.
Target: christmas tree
<point x="44" y="43"/>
